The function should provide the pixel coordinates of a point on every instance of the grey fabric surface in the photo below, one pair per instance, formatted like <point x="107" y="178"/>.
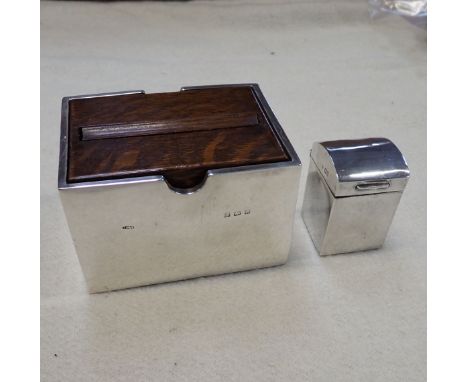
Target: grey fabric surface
<point x="328" y="72"/>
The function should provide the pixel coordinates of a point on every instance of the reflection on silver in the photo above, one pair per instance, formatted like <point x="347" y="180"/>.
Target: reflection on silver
<point x="352" y="192"/>
<point x="346" y="163"/>
<point x="376" y="174"/>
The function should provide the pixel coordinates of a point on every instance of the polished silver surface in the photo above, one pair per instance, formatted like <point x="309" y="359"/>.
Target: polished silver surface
<point x="360" y="166"/>
<point x="144" y="233"/>
<point x="350" y="207"/>
<point x="139" y="231"/>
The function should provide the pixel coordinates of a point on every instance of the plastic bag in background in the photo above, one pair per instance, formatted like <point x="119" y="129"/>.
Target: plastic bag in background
<point x="414" y="11"/>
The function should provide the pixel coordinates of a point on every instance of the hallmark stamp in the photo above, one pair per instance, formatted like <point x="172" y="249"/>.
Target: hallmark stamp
<point x="229" y="214"/>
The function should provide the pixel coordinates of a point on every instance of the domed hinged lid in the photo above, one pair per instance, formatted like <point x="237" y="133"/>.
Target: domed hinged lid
<point x="361" y="166"/>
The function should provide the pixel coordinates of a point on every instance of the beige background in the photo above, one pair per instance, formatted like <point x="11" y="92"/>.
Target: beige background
<point x="328" y="72"/>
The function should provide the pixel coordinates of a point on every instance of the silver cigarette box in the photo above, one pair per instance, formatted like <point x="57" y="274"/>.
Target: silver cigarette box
<point x="352" y="192"/>
<point x="139" y="230"/>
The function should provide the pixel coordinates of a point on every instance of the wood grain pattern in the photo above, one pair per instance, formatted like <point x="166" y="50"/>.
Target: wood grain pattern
<point x="182" y="154"/>
<point x="208" y="122"/>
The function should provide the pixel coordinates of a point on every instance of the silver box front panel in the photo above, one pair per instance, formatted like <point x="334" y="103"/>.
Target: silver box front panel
<point x="131" y="234"/>
<point x="345" y="224"/>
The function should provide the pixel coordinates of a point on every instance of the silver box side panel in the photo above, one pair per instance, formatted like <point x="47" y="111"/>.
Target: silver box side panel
<point x="359" y="223"/>
<point x="143" y="233"/>
<point x="346" y="224"/>
<point x="316" y="206"/>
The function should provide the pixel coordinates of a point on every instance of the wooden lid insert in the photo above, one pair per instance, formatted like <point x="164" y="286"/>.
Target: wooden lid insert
<point x="180" y="135"/>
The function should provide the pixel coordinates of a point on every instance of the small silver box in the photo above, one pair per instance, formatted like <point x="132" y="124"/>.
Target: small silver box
<point x="352" y="192"/>
<point x="140" y="230"/>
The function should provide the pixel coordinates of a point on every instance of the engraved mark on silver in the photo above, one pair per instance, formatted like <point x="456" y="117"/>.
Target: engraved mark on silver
<point x="228" y="214"/>
<point x="128" y="227"/>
